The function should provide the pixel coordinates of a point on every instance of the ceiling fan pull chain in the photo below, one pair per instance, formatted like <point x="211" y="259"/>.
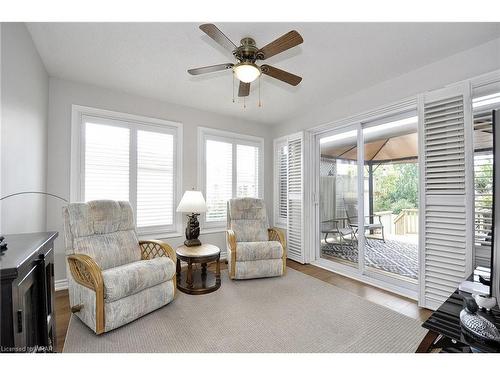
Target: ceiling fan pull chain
<point x="244" y="102"/>
<point x="233" y="86"/>
<point x="260" y="83"/>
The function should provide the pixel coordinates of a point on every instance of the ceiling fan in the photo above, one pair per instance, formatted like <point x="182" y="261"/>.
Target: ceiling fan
<point x="246" y="70"/>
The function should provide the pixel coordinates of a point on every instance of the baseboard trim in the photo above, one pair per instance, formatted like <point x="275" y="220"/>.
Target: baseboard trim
<point x="61" y="284"/>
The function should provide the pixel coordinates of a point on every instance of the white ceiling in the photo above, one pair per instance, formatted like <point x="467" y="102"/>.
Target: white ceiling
<point x="336" y="59"/>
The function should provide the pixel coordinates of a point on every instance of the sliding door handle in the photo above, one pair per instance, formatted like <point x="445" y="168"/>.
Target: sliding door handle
<point x="19" y="321"/>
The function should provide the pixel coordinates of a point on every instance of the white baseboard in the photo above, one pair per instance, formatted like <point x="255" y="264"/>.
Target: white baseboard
<point x="61" y="284"/>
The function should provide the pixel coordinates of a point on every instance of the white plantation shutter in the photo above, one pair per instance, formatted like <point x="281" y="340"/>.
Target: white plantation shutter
<point x="219" y="179"/>
<point x="155" y="179"/>
<point x="295" y="198"/>
<point x="230" y="167"/>
<point x="106" y="162"/>
<point x="247" y="171"/>
<point x="127" y="158"/>
<point x="280" y="181"/>
<point x="445" y="251"/>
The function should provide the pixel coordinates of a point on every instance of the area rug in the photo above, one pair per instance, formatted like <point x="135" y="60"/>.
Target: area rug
<point x="396" y="257"/>
<point x="294" y="313"/>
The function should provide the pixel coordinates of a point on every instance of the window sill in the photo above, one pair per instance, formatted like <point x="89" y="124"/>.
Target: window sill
<point x="154" y="235"/>
<point x="213" y="230"/>
<point x="149" y="235"/>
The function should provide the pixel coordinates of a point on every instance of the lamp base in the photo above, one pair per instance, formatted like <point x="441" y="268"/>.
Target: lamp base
<point x="192" y="231"/>
<point x="3" y="245"/>
<point x="193" y="242"/>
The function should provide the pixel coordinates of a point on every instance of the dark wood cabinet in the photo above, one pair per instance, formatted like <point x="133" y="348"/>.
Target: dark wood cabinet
<point x="27" y="301"/>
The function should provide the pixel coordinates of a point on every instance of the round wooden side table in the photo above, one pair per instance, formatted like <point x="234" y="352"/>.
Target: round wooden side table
<point x="198" y="281"/>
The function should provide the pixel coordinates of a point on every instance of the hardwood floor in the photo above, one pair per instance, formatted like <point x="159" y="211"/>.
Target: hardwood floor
<point x="392" y="301"/>
<point x="63" y="313"/>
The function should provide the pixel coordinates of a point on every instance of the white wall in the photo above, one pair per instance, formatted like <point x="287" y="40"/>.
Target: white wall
<point x="473" y="62"/>
<point x="62" y="94"/>
<point x="24" y="98"/>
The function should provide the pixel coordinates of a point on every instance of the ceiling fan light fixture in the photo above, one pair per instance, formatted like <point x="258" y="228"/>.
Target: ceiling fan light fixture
<point x="246" y="72"/>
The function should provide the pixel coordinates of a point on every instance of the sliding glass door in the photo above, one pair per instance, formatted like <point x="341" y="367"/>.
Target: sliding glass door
<point x="391" y="197"/>
<point x="367" y="203"/>
<point x="338" y="196"/>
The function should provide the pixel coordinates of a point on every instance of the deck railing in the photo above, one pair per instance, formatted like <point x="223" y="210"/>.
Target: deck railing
<point x="406" y="222"/>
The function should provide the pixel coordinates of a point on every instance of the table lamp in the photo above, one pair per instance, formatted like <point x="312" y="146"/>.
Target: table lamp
<point x="194" y="204"/>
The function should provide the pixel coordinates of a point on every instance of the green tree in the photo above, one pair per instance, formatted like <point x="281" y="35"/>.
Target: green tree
<point x="395" y="187"/>
<point x="483" y="183"/>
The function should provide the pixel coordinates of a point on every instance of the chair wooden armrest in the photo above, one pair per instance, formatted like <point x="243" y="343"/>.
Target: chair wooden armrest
<point x="276" y="234"/>
<point x="231" y="242"/>
<point x="153" y="248"/>
<point x="87" y="272"/>
<point x="231" y="239"/>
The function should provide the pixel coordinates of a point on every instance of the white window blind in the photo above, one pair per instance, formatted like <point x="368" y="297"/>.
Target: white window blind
<point x="133" y="160"/>
<point x="247" y="171"/>
<point x="219" y="179"/>
<point x="231" y="166"/>
<point x="280" y="182"/>
<point x="155" y="179"/>
<point x="445" y="123"/>
<point x="295" y="227"/>
<point x="106" y="162"/>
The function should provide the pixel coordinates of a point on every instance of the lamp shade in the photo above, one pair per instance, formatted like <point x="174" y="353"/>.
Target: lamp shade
<point x="192" y="201"/>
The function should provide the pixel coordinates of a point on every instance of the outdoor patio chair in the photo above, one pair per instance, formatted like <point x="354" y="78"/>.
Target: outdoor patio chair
<point x="351" y="210"/>
<point x="345" y="233"/>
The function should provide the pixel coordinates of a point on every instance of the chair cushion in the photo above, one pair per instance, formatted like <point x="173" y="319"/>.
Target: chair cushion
<point x="103" y="230"/>
<point x="246" y="251"/>
<point x="123" y="281"/>
<point x="111" y="249"/>
<point x="249" y="230"/>
<point x="248" y="219"/>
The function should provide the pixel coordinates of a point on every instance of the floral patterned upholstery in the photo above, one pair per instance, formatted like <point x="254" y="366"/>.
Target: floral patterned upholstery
<point x="104" y="231"/>
<point x="258" y="250"/>
<point x="248" y="219"/>
<point x="122" y="281"/>
<point x="251" y="253"/>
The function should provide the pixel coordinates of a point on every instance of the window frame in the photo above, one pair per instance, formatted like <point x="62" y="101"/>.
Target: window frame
<point x="235" y="139"/>
<point x="134" y="123"/>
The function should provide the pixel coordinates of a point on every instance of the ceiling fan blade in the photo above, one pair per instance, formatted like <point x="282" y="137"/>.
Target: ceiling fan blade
<point x="213" y="32"/>
<point x="210" y="69"/>
<point x="282" y="75"/>
<point x="244" y="89"/>
<point x="287" y="41"/>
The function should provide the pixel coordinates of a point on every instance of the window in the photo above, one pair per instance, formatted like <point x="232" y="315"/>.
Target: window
<point x="155" y="179"/>
<point x="230" y="165"/>
<point x="106" y="161"/>
<point x="281" y="182"/>
<point x="123" y="157"/>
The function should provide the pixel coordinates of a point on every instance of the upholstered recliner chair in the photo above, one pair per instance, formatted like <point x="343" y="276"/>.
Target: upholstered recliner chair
<point x="113" y="278"/>
<point x="254" y="249"/>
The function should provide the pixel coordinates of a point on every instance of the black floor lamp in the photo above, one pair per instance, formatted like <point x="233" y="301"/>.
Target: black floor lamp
<point x="3" y="245"/>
